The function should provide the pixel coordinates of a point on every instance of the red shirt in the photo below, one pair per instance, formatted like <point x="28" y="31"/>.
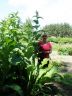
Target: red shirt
<point x="43" y="47"/>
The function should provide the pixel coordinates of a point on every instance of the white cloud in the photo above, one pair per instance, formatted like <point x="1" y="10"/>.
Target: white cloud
<point x="27" y="3"/>
<point x="53" y="11"/>
<point x="16" y="2"/>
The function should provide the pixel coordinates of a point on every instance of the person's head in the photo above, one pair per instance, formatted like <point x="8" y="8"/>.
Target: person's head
<point x="44" y="37"/>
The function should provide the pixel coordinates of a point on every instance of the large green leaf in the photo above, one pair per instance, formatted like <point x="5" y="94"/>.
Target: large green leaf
<point x="16" y="88"/>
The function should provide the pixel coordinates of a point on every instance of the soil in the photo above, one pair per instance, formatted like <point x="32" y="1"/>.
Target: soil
<point x="65" y="59"/>
<point x="67" y="62"/>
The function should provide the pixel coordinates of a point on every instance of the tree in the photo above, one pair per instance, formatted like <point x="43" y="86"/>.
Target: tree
<point x="62" y="30"/>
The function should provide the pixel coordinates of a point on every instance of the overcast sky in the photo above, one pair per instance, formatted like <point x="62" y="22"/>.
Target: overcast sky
<point x="53" y="11"/>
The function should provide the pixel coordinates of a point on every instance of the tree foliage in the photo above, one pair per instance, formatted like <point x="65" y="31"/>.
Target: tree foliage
<point x="62" y="30"/>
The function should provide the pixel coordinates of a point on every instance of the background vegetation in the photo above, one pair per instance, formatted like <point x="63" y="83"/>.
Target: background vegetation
<point x="60" y="30"/>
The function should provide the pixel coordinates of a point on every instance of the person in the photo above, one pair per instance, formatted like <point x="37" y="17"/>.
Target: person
<point x="44" y="49"/>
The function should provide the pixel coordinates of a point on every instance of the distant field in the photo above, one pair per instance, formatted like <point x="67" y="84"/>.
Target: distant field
<point x="56" y="46"/>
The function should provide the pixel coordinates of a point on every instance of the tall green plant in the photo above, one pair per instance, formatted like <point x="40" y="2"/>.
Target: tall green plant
<point x="36" y="26"/>
<point x="11" y="54"/>
<point x="19" y="75"/>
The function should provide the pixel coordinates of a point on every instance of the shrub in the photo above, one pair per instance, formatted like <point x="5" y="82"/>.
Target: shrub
<point x="60" y="39"/>
<point x="65" y="51"/>
<point x="65" y="40"/>
<point x="53" y="39"/>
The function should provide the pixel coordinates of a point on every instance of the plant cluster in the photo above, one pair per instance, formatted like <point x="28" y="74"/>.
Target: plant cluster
<point x="20" y="74"/>
<point x="65" y="50"/>
<point x="62" y="40"/>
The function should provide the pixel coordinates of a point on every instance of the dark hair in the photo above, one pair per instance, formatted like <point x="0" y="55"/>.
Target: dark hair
<point x="44" y="35"/>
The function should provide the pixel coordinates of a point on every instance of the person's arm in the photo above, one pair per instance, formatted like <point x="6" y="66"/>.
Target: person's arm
<point x="50" y="51"/>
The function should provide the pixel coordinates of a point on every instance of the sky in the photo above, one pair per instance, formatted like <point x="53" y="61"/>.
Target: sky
<point x="52" y="11"/>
